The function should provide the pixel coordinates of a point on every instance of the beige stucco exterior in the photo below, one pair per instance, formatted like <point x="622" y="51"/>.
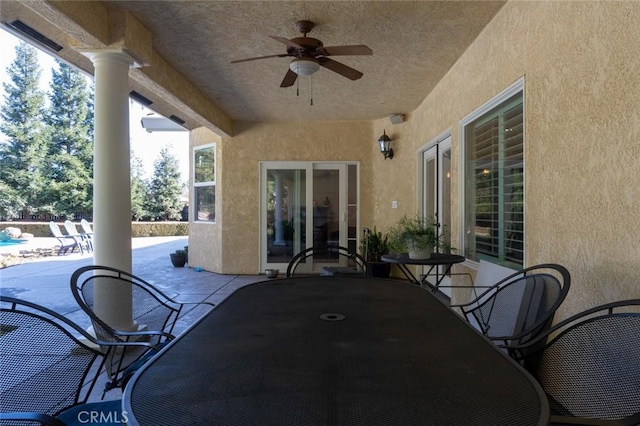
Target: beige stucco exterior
<point x="238" y="178"/>
<point x="580" y="61"/>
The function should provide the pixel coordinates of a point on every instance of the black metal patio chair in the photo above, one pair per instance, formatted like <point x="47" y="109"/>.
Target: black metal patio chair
<point x="356" y="264"/>
<point x="590" y="367"/>
<point x="47" y="374"/>
<point x="520" y="306"/>
<point x="150" y="307"/>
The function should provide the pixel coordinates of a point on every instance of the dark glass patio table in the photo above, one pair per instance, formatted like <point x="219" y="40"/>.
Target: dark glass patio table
<point x="332" y="351"/>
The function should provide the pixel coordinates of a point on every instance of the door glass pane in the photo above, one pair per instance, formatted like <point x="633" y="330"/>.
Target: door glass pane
<point x="445" y="213"/>
<point x="326" y="204"/>
<point x="286" y="212"/>
<point x="352" y="207"/>
<point x="430" y="188"/>
<point x="352" y="184"/>
<point x="352" y="220"/>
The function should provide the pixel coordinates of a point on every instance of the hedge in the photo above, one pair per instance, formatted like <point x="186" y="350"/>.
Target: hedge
<point x="138" y="229"/>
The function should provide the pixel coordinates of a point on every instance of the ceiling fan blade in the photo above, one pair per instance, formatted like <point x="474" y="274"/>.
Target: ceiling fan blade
<point x="259" y="57"/>
<point x="289" y="78"/>
<point x="339" y="68"/>
<point x="287" y="42"/>
<point x="358" y="49"/>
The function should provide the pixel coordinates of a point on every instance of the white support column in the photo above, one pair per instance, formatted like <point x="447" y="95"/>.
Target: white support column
<point x="111" y="183"/>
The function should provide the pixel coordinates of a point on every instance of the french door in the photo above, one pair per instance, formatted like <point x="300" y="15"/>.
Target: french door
<point x="436" y="192"/>
<point x="305" y="204"/>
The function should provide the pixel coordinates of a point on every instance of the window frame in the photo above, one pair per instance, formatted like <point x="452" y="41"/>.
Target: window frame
<point x="204" y="184"/>
<point x="518" y="87"/>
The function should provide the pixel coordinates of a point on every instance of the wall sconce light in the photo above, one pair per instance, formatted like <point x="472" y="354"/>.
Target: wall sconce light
<point x="385" y="146"/>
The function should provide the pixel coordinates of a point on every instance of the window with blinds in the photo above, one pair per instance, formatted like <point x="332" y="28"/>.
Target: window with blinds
<point x="494" y="185"/>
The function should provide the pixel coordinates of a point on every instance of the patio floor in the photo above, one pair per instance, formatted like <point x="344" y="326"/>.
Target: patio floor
<point x="46" y="281"/>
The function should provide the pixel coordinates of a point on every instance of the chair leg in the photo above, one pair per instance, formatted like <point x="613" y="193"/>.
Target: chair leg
<point x="112" y="384"/>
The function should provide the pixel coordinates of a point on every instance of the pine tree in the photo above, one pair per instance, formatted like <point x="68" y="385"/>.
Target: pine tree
<point x="89" y="121"/>
<point x="23" y="155"/>
<point x="165" y="188"/>
<point x="138" y="190"/>
<point x="70" y="157"/>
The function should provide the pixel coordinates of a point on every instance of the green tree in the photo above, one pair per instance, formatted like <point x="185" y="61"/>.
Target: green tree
<point x="89" y="121"/>
<point x="138" y="190"/>
<point x="23" y="154"/>
<point x="165" y="188"/>
<point x="70" y="157"/>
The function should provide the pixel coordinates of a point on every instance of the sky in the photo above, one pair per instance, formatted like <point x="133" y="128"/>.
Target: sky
<point x="145" y="145"/>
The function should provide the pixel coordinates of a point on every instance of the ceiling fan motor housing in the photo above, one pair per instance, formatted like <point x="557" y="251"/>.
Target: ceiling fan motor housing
<point x="309" y="47"/>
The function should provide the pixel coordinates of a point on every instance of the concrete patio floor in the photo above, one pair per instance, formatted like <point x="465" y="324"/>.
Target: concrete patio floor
<point x="46" y="281"/>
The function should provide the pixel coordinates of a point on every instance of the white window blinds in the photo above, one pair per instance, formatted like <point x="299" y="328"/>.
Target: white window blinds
<point x="494" y="185"/>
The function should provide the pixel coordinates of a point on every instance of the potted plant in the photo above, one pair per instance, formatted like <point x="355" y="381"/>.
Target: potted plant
<point x="419" y="237"/>
<point x="372" y="249"/>
<point x="179" y="258"/>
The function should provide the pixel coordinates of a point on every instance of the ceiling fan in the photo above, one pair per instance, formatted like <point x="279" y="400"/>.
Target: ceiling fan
<point x="310" y="54"/>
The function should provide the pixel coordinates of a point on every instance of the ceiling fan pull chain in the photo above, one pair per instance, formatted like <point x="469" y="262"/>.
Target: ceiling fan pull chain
<point x="311" y="85"/>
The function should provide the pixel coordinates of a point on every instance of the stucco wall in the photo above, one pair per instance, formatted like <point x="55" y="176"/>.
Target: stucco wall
<point x="582" y="97"/>
<point x="239" y="173"/>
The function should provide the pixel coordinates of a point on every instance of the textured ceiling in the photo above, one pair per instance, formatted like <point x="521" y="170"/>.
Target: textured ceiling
<point x="413" y="43"/>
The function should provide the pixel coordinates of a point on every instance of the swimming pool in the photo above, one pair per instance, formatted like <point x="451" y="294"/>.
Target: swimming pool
<point x="11" y="242"/>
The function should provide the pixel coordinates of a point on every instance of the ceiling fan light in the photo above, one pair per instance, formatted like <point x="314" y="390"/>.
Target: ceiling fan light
<point x="304" y="67"/>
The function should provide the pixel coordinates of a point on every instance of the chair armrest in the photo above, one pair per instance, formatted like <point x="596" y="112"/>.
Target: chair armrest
<point x="477" y="297"/>
<point x="31" y="417"/>
<point x="534" y="332"/>
<point x="132" y="343"/>
<point x="129" y="334"/>
<point x="198" y="303"/>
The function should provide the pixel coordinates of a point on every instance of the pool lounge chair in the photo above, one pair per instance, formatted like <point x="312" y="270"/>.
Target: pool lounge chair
<point x="81" y="238"/>
<point x="67" y="242"/>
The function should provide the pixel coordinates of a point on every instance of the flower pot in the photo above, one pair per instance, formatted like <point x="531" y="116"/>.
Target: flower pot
<point x="271" y="273"/>
<point x="378" y="269"/>
<point x="419" y="253"/>
<point x="178" y="260"/>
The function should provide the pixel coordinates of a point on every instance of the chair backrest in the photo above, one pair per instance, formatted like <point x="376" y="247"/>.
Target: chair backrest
<point x="44" y="368"/>
<point x="591" y="366"/>
<point x="326" y="253"/>
<point x="86" y="226"/>
<point x="55" y="230"/>
<point x="520" y="306"/>
<point x="151" y="308"/>
<point x="488" y="274"/>
<point x="70" y="227"/>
